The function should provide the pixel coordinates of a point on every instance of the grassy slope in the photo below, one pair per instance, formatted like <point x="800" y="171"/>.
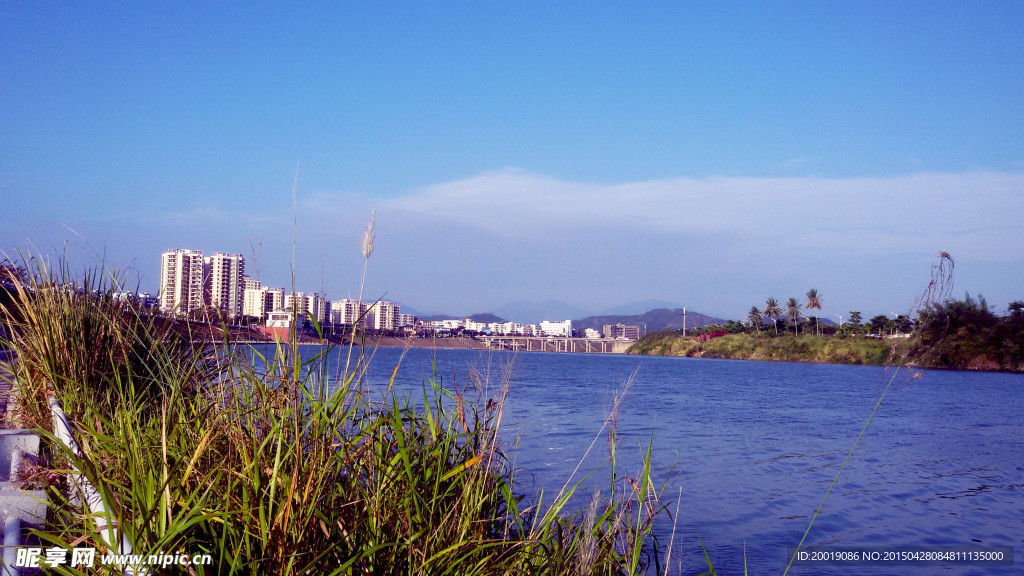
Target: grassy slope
<point x="804" y="348"/>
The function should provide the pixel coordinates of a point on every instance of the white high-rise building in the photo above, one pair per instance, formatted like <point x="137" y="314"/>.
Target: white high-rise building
<point x="254" y="300"/>
<point x="181" y="281"/>
<point x="275" y="300"/>
<point x="296" y="301"/>
<point x="316" y="306"/>
<point x="222" y="282"/>
<point x="260" y="301"/>
<point x="384" y="315"/>
<point x="347" y="311"/>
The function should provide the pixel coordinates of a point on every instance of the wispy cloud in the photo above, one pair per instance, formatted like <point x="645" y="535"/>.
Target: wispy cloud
<point x="505" y="234"/>
<point x="977" y="211"/>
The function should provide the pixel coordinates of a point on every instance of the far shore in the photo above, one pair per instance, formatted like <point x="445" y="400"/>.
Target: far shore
<point x="452" y="343"/>
<point x="460" y="343"/>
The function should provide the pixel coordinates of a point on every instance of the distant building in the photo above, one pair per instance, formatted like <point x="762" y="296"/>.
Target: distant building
<point x="591" y="333"/>
<point x="146" y="299"/>
<point x="275" y="300"/>
<point x="403" y="320"/>
<point x="501" y="328"/>
<point x="280" y="319"/>
<point x="621" y="331"/>
<point x="347" y="311"/>
<point x="181" y="281"/>
<point x="316" y="307"/>
<point x="254" y="301"/>
<point x="296" y="301"/>
<point x="561" y="328"/>
<point x="384" y="315"/>
<point x="475" y="326"/>
<point x="222" y="282"/>
<point x="279" y="325"/>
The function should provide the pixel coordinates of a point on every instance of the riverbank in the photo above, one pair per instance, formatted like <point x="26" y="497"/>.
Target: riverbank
<point x="786" y="348"/>
<point x="200" y="332"/>
<point x="392" y="342"/>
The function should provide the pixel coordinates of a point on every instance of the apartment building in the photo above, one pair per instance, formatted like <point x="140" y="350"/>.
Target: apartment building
<point x="474" y="326"/>
<point x="275" y="300"/>
<point x="297" y="301"/>
<point x="346" y="311"/>
<point x="254" y="302"/>
<point x="222" y="282"/>
<point x="259" y="301"/>
<point x="181" y="281"/>
<point x="382" y="315"/>
<point x="449" y="324"/>
<point x="621" y="331"/>
<point x="505" y="328"/>
<point x="316" y="307"/>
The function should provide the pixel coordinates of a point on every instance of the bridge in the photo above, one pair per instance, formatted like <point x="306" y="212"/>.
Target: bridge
<point x="557" y="344"/>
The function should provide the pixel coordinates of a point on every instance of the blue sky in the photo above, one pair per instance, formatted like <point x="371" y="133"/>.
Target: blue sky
<point x="595" y="153"/>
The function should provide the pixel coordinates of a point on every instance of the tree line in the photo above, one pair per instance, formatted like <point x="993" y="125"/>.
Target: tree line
<point x="966" y="334"/>
<point x="957" y="334"/>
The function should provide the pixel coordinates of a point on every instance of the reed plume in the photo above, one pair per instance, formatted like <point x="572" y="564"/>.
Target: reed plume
<point x="367" y="242"/>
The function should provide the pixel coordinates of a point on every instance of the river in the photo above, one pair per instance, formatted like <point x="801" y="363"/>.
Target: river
<point x="753" y="447"/>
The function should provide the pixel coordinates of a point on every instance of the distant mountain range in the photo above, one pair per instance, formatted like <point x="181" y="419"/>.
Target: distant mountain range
<point x="533" y="313"/>
<point x="633" y="314"/>
<point x="654" y="320"/>
<point x="654" y="314"/>
<point x="486" y="317"/>
<point x="634" y="308"/>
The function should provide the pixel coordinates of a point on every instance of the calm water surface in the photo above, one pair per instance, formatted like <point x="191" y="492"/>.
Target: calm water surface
<point x="754" y="446"/>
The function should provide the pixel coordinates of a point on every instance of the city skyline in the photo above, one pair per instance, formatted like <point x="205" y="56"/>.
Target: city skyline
<point x="194" y="284"/>
<point x="597" y="155"/>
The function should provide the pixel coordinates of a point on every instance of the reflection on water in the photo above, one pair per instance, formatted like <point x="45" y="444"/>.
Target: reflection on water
<point x="754" y="447"/>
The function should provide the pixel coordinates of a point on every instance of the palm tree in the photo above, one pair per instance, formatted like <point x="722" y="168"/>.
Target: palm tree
<point x="771" y="310"/>
<point x="814" y="301"/>
<point x="793" y="313"/>
<point x="754" y="317"/>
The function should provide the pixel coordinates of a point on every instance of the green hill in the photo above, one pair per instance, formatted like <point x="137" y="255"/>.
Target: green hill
<point x="658" y="319"/>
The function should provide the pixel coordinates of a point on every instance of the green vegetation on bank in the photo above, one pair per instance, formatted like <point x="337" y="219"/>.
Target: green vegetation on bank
<point x="275" y="465"/>
<point x="956" y="334"/>
<point x="966" y="335"/>
<point x="789" y="348"/>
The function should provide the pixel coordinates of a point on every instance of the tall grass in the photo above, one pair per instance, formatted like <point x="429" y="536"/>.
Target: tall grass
<point x="271" y="465"/>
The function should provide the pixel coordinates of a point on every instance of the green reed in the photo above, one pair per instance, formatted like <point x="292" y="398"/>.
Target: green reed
<point x="272" y="465"/>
